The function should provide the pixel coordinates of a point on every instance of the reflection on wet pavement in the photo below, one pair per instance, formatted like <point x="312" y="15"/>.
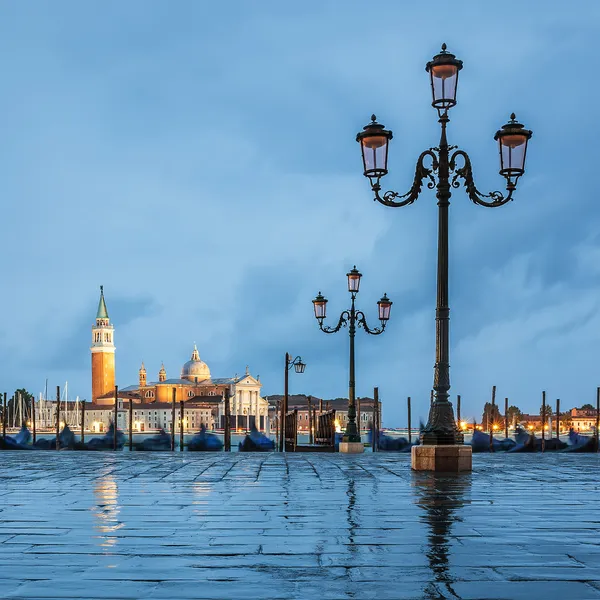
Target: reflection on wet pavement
<point x="102" y="525"/>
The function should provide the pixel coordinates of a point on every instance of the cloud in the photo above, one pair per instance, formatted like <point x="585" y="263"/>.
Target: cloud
<point x="200" y="162"/>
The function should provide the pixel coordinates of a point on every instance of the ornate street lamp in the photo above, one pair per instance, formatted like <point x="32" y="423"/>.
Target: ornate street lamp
<point x="447" y="165"/>
<point x="299" y="367"/>
<point x="351" y="318"/>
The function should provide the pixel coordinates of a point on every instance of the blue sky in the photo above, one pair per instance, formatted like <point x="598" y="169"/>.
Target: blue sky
<point x="198" y="160"/>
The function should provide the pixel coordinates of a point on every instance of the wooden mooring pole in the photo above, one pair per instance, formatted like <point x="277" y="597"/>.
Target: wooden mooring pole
<point x="33" y="424"/>
<point x="543" y="421"/>
<point x="4" y="417"/>
<point x="558" y="418"/>
<point x="227" y="427"/>
<point x="181" y="426"/>
<point x="409" y="420"/>
<point x="506" y="417"/>
<point x="277" y="420"/>
<point x="491" y="418"/>
<point x="597" y="419"/>
<point x="173" y="420"/>
<point x="130" y="424"/>
<point x="82" y="421"/>
<point x="375" y="438"/>
<point x="458" y="411"/>
<point x="310" y="420"/>
<point x="115" y="418"/>
<point x="57" y="417"/>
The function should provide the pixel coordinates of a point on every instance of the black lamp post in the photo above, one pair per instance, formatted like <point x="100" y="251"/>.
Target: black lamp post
<point x="512" y="141"/>
<point x="352" y="318"/>
<point x="299" y="367"/>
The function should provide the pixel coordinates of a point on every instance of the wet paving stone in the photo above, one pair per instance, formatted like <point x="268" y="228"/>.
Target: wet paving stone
<point x="161" y="525"/>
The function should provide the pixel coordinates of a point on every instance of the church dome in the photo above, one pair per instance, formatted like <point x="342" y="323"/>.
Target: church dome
<point x="195" y="368"/>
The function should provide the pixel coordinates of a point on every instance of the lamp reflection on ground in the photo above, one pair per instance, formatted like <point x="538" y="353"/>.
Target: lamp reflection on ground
<point x="351" y="516"/>
<point x="107" y="510"/>
<point x="441" y="496"/>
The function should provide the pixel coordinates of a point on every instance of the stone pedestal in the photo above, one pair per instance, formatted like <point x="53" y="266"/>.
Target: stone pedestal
<point x="442" y="459"/>
<point x="352" y="447"/>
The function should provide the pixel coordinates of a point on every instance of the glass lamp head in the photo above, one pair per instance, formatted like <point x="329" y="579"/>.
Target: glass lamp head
<point x="320" y="305"/>
<point x="374" y="140"/>
<point x="353" y="280"/>
<point x="385" y="306"/>
<point x="443" y="74"/>
<point x="512" y="141"/>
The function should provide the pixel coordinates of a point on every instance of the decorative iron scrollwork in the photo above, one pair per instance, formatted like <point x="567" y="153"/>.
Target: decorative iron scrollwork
<point x="466" y="173"/>
<point x="421" y="173"/>
<point x="345" y="317"/>
<point x="362" y="322"/>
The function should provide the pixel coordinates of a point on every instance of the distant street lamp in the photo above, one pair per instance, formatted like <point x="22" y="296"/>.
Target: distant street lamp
<point x="299" y="367"/>
<point x="512" y="141"/>
<point x="352" y="318"/>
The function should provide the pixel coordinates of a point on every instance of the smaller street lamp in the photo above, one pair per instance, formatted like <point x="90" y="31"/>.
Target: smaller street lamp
<point x="352" y="318"/>
<point x="299" y="367"/>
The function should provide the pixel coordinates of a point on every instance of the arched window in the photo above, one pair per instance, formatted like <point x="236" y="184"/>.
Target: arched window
<point x="190" y="394"/>
<point x="149" y="394"/>
<point x="212" y="393"/>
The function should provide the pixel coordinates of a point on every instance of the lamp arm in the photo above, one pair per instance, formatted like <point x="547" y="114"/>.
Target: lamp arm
<point x="362" y="322"/>
<point x="466" y="173"/>
<point x="294" y="362"/>
<point x="343" y="322"/>
<point x="421" y="173"/>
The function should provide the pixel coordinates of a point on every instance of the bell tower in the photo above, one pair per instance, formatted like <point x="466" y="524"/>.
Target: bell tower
<point x="103" y="352"/>
<point x="162" y="374"/>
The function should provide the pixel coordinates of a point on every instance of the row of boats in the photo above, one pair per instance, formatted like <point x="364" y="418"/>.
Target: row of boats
<point x="203" y="441"/>
<point x="255" y="441"/>
<point x="524" y="441"/>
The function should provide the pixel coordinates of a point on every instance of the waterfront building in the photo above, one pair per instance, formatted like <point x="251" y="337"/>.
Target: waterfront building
<point x="583" y="419"/>
<point x="147" y="416"/>
<point x="202" y="393"/>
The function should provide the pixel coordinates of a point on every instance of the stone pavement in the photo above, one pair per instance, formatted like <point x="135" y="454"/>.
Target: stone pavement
<point x="307" y="526"/>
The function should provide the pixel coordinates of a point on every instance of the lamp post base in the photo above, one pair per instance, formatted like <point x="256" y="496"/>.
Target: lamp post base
<point x="352" y="447"/>
<point x="441" y="459"/>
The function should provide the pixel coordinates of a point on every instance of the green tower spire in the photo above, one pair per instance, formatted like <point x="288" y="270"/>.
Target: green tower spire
<point x="102" y="312"/>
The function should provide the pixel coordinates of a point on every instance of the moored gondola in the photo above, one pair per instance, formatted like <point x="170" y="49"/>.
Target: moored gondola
<point x="106" y="442"/>
<point x="66" y="441"/>
<point x="204" y="441"/>
<point x="256" y="441"/>
<point x="581" y="443"/>
<point x="20" y="442"/>
<point x="480" y="442"/>
<point x="156" y="443"/>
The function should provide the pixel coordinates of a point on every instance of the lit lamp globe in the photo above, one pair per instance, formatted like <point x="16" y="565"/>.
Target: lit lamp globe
<point x="512" y="141"/>
<point x="443" y="73"/>
<point x="374" y="140"/>
<point x="385" y="306"/>
<point x="353" y="280"/>
<point x="320" y="306"/>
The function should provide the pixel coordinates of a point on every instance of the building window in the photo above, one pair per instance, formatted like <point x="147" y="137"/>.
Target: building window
<point x="190" y="394"/>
